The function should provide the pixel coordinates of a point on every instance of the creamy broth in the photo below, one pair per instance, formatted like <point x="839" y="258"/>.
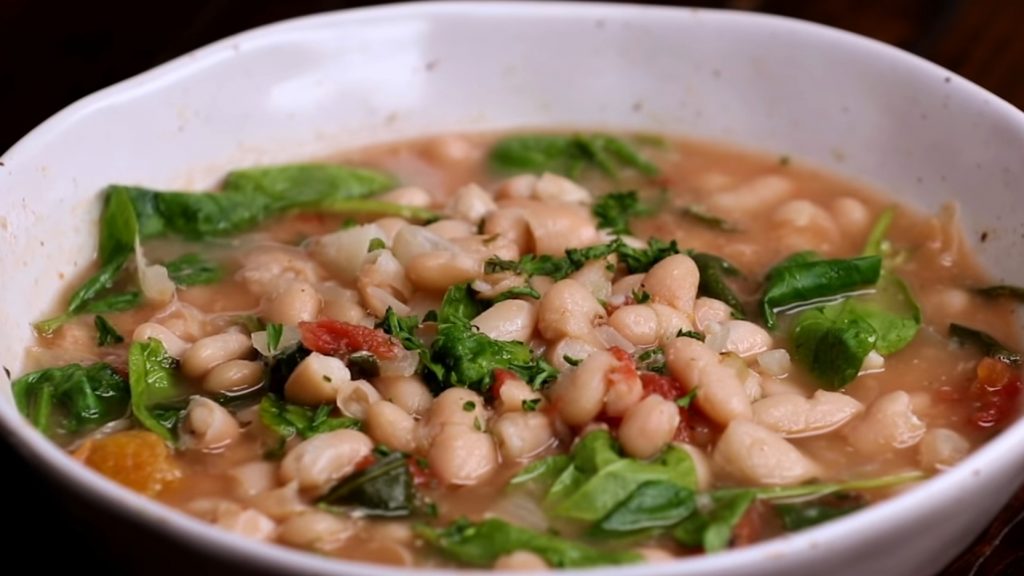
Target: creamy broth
<point x="915" y="411"/>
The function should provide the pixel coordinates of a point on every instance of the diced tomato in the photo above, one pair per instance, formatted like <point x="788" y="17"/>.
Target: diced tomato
<point x="366" y="462"/>
<point x="695" y="428"/>
<point x="748" y="529"/>
<point x="421" y="476"/>
<point x="501" y="376"/>
<point x="995" y="393"/>
<point x="342" y="339"/>
<point x="665" y="386"/>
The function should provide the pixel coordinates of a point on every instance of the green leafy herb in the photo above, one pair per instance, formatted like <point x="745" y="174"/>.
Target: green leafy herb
<point x="274" y="332"/>
<point x="613" y="211"/>
<point x="713" y="273"/>
<point x="806" y="514"/>
<point x="281" y="365"/>
<point x="376" y="244"/>
<point x="989" y="346"/>
<point x="640" y="296"/>
<point x="636" y="260"/>
<point x="525" y="291"/>
<point x="568" y="155"/>
<point x="701" y="214"/>
<point x="712" y="526"/>
<point x="383" y="489"/>
<point x="1001" y="291"/>
<point x="793" y="283"/>
<point x="193" y="270"/>
<point x="71" y="399"/>
<point x="481" y="544"/>
<point x="157" y="398"/>
<point x="545" y="470"/>
<point x="468" y="406"/>
<point x="571" y="361"/>
<point x="106" y="334"/>
<point x="530" y="405"/>
<point x="832" y="341"/>
<point x="289" y="420"/>
<point x="651" y="360"/>
<point x="655" y="504"/>
<point x="687" y="399"/>
<point x="690" y="334"/>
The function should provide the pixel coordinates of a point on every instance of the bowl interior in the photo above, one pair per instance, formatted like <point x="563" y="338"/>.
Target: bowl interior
<point x="320" y="84"/>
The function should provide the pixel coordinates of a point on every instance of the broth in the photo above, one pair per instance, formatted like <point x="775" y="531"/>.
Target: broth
<point x="792" y="419"/>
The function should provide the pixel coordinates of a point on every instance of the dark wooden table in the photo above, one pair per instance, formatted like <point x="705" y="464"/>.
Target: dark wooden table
<point x="52" y="53"/>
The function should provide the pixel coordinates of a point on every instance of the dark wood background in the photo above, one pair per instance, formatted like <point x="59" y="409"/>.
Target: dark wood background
<point x="52" y="53"/>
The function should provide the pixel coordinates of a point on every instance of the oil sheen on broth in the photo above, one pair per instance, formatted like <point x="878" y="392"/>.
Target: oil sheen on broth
<point x="490" y="364"/>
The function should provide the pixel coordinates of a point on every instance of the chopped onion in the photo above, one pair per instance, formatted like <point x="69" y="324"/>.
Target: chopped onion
<point x="154" y="280"/>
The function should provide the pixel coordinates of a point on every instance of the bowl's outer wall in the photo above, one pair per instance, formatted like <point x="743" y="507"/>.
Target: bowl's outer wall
<point x="320" y="84"/>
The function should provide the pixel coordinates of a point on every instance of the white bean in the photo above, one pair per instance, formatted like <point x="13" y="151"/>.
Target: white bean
<point x="343" y="304"/>
<point x="554" y="188"/>
<point x="775" y="362"/>
<point x="889" y="423"/>
<point x="746" y="338"/>
<point x="707" y="310"/>
<point x="573" y="348"/>
<point x="674" y="281"/>
<point x="720" y="391"/>
<point x="436" y="271"/>
<point x="355" y="397"/>
<point x="522" y="435"/>
<point x="458" y="406"/>
<point x="624" y="391"/>
<point x="174" y="345"/>
<point x="280" y="503"/>
<point x="408" y="196"/>
<point x="407" y="392"/>
<point x="391" y="426"/>
<point x="671" y="321"/>
<point x="752" y="196"/>
<point x="510" y="223"/>
<point x="295" y="302"/>
<point x="851" y="215"/>
<point x="521" y="560"/>
<point x="252" y="478"/>
<point x="471" y="203"/>
<point x="757" y="455"/>
<point x="568" y="309"/>
<point x="461" y="455"/>
<point x="320" y="461"/>
<point x="208" y="425"/>
<point x="451" y="228"/>
<point x="579" y="394"/>
<point x="233" y="376"/>
<point x="648" y="426"/>
<point x="941" y="448"/>
<point x="794" y="416"/>
<point x="316" y="530"/>
<point x="627" y="285"/>
<point x="208" y="352"/>
<point x="342" y="253"/>
<point x="508" y="320"/>
<point x="637" y="323"/>
<point x="556" y="226"/>
<point x="315" y="380"/>
<point x="512" y="395"/>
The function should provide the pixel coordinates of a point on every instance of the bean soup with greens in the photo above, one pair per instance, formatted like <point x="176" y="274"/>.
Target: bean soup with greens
<point x="524" y="352"/>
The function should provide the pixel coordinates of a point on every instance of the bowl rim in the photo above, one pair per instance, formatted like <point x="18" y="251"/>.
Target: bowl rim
<point x="988" y="459"/>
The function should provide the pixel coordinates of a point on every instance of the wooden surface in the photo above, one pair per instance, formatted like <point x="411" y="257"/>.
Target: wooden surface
<point x="52" y="53"/>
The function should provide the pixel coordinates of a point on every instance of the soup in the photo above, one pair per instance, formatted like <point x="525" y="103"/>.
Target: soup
<point x="524" y="352"/>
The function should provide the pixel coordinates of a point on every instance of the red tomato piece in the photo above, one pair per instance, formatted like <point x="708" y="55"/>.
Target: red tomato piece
<point x="501" y="376"/>
<point x="665" y="386"/>
<point x="334" y="338"/>
<point x="995" y="393"/>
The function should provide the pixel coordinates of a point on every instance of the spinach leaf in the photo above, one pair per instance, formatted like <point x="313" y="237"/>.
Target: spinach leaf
<point x="643" y="259"/>
<point x="383" y="489"/>
<point x="635" y="259"/>
<point x="832" y="342"/>
<point x="481" y="544"/>
<point x="289" y="420"/>
<point x="807" y="514"/>
<point x="71" y="399"/>
<point x="651" y="360"/>
<point x="545" y="470"/>
<point x="712" y="526"/>
<point x="567" y="155"/>
<point x="193" y="270"/>
<point x="892" y="312"/>
<point x="613" y="211"/>
<point x="106" y="334"/>
<point x="656" y="504"/>
<point x="274" y="333"/>
<point x="701" y="214"/>
<point x="119" y="227"/>
<point x="458" y="305"/>
<point x="525" y="291"/>
<point x="989" y="346"/>
<point x="791" y="283"/>
<point x="86" y="297"/>
<point x="1001" y="291"/>
<point x="713" y="273"/>
<point x="876" y="244"/>
<point x="157" y="398"/>
<point x="114" y="303"/>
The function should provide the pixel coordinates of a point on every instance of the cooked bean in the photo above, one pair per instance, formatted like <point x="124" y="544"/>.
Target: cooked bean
<point x="208" y="352"/>
<point x="413" y="196"/>
<point x="624" y="391"/>
<point x="757" y="455"/>
<point x="450" y="228"/>
<point x="513" y="393"/>
<point x="174" y="345"/>
<point x="510" y="223"/>
<point x="390" y="226"/>
<point x="320" y="461"/>
<point x="472" y="203"/>
<point x="520" y="560"/>
<point x="520" y="186"/>
<point x="281" y="503"/>
<point x="752" y="196"/>
<point x="707" y="310"/>
<point x="889" y="423"/>
<point x="316" y="530"/>
<point x="573" y="348"/>
<point x="391" y="426"/>
<point x="383" y="270"/>
<point x="234" y="518"/>
<point x="554" y="188"/>
<point x="851" y="215"/>
<point x="438" y="270"/>
<point x="941" y="448"/>
<point x="343" y="304"/>
<point x="671" y="321"/>
<point x="522" y="435"/>
<point x="673" y="281"/>
<point x="208" y="425"/>
<point x="461" y="455"/>
<point x="265" y="270"/>
<point x="315" y="380"/>
<point x="252" y="478"/>
<point x="648" y="426"/>
<point x="556" y="226"/>
<point x="411" y="241"/>
<point x="508" y="320"/>
<point x="596" y="277"/>
<point x="775" y="362"/>
<point x="295" y="302"/>
<point x="794" y="416"/>
<point x="637" y="323"/>
<point x="342" y="253"/>
<point x="653" y="555"/>
<point x="234" y="376"/>
<point x="355" y="397"/>
<point x="407" y="392"/>
<point x="458" y="406"/>
<point x="568" y="309"/>
<point x="701" y="463"/>
<point x="720" y="392"/>
<point x="627" y="285"/>
<point x="746" y="338"/>
<point x="579" y="394"/>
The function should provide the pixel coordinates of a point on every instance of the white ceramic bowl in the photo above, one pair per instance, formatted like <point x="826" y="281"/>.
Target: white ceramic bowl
<point x="323" y="83"/>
